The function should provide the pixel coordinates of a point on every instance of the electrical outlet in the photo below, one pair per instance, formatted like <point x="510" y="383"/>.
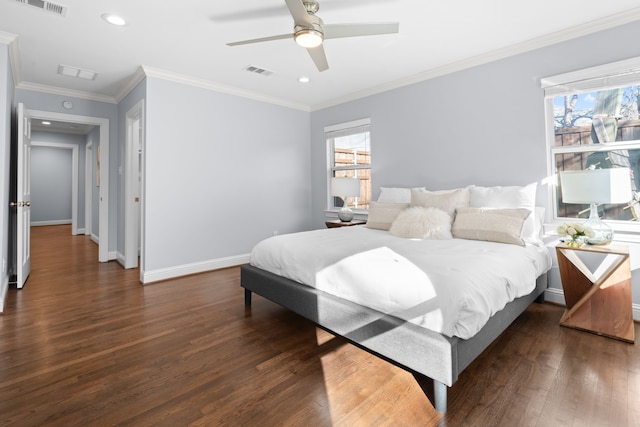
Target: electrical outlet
<point x="275" y="232"/>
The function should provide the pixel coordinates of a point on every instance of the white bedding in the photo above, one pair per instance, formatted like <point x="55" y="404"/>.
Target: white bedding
<point x="449" y="286"/>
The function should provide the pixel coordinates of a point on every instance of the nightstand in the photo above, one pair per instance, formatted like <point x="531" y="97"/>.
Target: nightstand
<point x="599" y="301"/>
<point x="338" y="223"/>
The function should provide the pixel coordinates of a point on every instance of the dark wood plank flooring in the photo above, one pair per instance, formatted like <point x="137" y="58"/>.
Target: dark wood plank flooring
<point x="85" y="344"/>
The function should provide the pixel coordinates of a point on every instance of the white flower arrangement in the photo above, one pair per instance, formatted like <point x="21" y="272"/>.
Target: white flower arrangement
<point x="575" y="231"/>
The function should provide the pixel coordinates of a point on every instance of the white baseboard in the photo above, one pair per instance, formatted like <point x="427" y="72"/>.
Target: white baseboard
<point x="556" y="296"/>
<point x="198" y="267"/>
<point x="120" y="258"/>
<point x="56" y="222"/>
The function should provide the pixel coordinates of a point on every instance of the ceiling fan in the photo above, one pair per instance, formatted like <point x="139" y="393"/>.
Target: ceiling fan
<point x="309" y="31"/>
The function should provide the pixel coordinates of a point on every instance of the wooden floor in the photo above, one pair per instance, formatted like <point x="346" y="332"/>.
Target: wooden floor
<point x="85" y="344"/>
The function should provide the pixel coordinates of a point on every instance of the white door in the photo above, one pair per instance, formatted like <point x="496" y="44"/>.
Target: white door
<point x="23" y="204"/>
<point x="133" y="174"/>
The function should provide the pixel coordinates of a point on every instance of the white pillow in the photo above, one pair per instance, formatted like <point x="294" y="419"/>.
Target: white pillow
<point x="395" y="195"/>
<point x="422" y="223"/>
<point x="447" y="200"/>
<point x="509" y="197"/>
<point x="490" y="224"/>
<point x="504" y="197"/>
<point x="382" y="215"/>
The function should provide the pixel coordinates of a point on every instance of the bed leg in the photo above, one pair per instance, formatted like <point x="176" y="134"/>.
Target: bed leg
<point x="440" y="396"/>
<point x="435" y="390"/>
<point x="247" y="297"/>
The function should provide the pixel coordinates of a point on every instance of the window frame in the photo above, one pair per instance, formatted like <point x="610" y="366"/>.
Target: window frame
<point x="613" y="75"/>
<point x="330" y="133"/>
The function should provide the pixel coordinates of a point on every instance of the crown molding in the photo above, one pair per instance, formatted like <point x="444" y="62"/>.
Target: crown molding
<point x="217" y="87"/>
<point x="54" y="90"/>
<point x="7" y="38"/>
<point x="132" y="83"/>
<point x="608" y="22"/>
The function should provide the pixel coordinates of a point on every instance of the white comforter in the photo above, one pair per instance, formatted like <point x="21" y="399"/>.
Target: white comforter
<point x="449" y="286"/>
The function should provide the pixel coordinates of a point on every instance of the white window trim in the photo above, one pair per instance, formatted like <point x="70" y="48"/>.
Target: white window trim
<point x="337" y="130"/>
<point x="615" y="74"/>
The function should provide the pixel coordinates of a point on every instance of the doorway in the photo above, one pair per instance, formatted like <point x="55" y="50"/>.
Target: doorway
<point x="102" y="175"/>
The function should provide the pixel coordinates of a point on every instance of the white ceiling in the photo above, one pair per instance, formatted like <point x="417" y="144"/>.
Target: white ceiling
<point x="188" y="38"/>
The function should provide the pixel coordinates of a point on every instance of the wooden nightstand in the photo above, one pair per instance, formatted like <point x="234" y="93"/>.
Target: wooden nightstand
<point x="337" y="223"/>
<point x="600" y="301"/>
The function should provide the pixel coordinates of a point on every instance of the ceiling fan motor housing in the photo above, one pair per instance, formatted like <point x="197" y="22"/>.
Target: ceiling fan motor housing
<point x="316" y="25"/>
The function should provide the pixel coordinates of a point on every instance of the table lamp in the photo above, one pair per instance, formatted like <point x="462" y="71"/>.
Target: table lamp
<point x="593" y="186"/>
<point x="345" y="187"/>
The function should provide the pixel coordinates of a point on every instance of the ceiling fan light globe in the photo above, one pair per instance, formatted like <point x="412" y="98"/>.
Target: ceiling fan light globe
<point x="308" y="38"/>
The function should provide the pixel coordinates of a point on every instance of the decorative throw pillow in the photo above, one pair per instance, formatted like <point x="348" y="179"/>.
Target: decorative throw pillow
<point x="447" y="200"/>
<point x="490" y="224"/>
<point x="422" y="223"/>
<point x="509" y="197"/>
<point x="382" y="215"/>
<point x="395" y="194"/>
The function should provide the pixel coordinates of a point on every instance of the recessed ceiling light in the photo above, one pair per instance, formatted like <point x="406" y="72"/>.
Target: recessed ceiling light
<point x="114" y="19"/>
<point x="304" y="80"/>
<point x="46" y="123"/>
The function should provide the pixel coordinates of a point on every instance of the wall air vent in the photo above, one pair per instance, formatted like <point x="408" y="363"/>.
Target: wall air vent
<point x="258" y="70"/>
<point x="45" y="5"/>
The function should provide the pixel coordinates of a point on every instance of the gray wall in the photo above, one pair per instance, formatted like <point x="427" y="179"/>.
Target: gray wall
<point x="51" y="178"/>
<point x="6" y="102"/>
<point x="221" y="173"/>
<point x="50" y="185"/>
<point x="483" y="125"/>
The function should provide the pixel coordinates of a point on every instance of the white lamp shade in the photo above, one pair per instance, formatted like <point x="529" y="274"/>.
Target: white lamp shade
<point x="344" y="187"/>
<point x="596" y="186"/>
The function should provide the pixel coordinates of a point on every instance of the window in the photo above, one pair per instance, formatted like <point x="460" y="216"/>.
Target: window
<point x="596" y="124"/>
<point x="349" y="156"/>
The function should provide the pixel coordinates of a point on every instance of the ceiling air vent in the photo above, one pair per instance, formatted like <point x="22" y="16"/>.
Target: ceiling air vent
<point x="47" y="6"/>
<point x="258" y="70"/>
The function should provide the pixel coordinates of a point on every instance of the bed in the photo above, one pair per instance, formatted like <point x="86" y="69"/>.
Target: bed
<point x="429" y="305"/>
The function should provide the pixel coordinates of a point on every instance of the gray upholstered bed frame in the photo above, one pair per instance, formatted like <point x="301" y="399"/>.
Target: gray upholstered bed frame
<point x="434" y="359"/>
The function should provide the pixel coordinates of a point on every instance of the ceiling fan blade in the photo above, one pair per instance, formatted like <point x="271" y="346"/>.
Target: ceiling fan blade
<point x="299" y="13"/>
<point x="336" y="31"/>
<point x="319" y="58"/>
<point x="262" y="39"/>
